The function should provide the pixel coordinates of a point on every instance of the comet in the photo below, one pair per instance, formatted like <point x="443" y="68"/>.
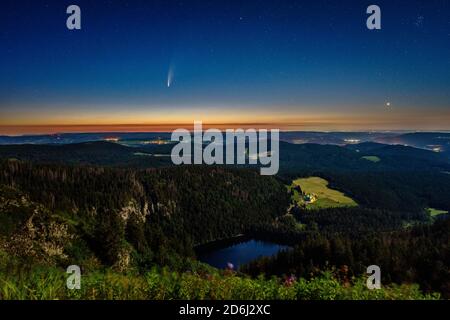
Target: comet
<point x="170" y="76"/>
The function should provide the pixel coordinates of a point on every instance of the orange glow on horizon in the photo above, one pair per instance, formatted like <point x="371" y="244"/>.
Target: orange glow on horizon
<point x="307" y="126"/>
<point x="272" y="119"/>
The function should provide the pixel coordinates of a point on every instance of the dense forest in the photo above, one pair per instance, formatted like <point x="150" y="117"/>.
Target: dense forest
<point x="101" y="206"/>
<point x="414" y="255"/>
<point x="156" y="214"/>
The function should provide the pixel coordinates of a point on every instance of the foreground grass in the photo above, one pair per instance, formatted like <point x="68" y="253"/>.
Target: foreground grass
<point x="49" y="284"/>
<point x="326" y="197"/>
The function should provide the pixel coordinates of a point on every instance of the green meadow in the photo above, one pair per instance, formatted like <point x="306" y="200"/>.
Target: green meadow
<point x="326" y="197"/>
<point x="372" y="158"/>
<point x="436" y="212"/>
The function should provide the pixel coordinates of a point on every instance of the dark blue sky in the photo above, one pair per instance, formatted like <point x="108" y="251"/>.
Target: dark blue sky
<point x="298" y="62"/>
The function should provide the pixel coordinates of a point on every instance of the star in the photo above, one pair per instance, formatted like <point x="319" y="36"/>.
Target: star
<point x="419" y="21"/>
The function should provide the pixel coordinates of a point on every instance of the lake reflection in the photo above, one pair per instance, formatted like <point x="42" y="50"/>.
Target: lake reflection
<point x="240" y="253"/>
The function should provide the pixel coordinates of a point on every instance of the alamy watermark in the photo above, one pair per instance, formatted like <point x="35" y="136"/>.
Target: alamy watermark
<point x="374" y="20"/>
<point x="73" y="22"/>
<point x="374" y="279"/>
<point x="74" y="279"/>
<point x="239" y="147"/>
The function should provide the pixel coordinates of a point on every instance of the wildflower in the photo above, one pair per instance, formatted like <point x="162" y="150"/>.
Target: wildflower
<point x="290" y="280"/>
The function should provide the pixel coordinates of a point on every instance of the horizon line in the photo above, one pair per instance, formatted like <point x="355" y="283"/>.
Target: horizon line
<point x="35" y="130"/>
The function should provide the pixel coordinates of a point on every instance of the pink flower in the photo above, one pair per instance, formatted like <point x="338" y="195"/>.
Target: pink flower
<point x="290" y="280"/>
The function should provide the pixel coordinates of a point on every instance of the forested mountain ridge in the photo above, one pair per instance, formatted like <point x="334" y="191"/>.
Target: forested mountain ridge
<point x="153" y="212"/>
<point x="294" y="158"/>
<point x="99" y="153"/>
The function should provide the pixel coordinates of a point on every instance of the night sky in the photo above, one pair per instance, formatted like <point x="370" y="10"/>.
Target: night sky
<point x="306" y="65"/>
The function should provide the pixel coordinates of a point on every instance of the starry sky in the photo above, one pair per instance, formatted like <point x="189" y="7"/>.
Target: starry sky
<point x="291" y="64"/>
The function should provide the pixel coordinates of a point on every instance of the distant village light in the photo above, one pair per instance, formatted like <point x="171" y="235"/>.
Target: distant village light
<point x="112" y="139"/>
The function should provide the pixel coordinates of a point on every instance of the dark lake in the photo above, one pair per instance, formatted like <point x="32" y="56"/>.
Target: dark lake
<point x="239" y="253"/>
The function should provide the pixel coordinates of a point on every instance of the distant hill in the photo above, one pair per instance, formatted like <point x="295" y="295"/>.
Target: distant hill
<point x="336" y="138"/>
<point x="294" y="158"/>
<point x="93" y="153"/>
<point x="315" y="157"/>
<point x="437" y="141"/>
<point x="402" y="157"/>
<point x="69" y="138"/>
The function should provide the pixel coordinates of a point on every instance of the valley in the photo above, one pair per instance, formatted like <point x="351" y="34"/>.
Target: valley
<point x="104" y="206"/>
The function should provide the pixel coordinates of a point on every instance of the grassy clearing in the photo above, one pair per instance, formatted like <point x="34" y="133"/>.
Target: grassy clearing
<point x="435" y="212"/>
<point x="326" y="197"/>
<point x="371" y="158"/>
